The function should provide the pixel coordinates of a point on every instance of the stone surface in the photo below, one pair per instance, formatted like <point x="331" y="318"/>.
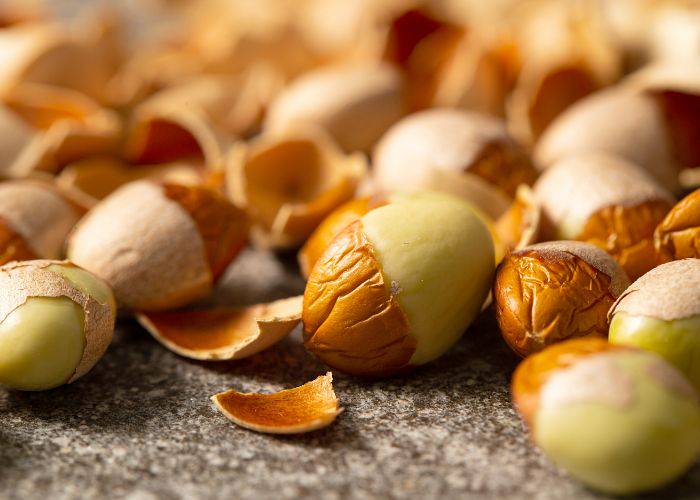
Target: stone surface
<point x="141" y="426"/>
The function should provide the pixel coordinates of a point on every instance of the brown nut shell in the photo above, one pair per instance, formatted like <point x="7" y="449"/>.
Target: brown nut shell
<point x="668" y="292"/>
<point x="224" y="334"/>
<point x="37" y="213"/>
<point x="309" y="407"/>
<point x="554" y="291"/>
<point x="352" y="321"/>
<point x="534" y="371"/>
<point x="678" y="235"/>
<point x="145" y="246"/>
<point x="22" y="280"/>
<point x="331" y="226"/>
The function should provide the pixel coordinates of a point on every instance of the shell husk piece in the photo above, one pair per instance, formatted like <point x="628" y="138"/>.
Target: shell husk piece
<point x="224" y="334"/>
<point x="95" y="178"/>
<point x="617" y="121"/>
<point x="577" y="186"/>
<point x="39" y="213"/>
<point x="259" y="175"/>
<point x="22" y="280"/>
<point x="145" y="246"/>
<point x="309" y="407"/>
<point x="668" y="292"/>
<point x="566" y="55"/>
<point x="160" y="124"/>
<point x="68" y="126"/>
<point x="16" y="138"/>
<point x="356" y="103"/>
<point x="521" y="225"/>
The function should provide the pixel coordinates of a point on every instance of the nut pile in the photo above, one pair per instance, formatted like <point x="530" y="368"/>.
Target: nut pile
<point x="428" y="162"/>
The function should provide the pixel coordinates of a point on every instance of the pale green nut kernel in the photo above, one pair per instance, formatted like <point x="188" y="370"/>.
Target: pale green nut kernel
<point x="620" y="422"/>
<point x="44" y="339"/>
<point x="677" y="341"/>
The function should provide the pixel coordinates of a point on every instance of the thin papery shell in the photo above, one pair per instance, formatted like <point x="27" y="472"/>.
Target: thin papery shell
<point x="164" y="130"/>
<point x="309" y="407"/>
<point x="574" y="188"/>
<point x="66" y="125"/>
<point x="22" y="280"/>
<point x="92" y="179"/>
<point x="44" y="53"/>
<point x="522" y="224"/>
<point x="355" y="103"/>
<point x="678" y="235"/>
<point x="289" y="183"/>
<point x="616" y="121"/>
<point x="668" y="292"/>
<point x="430" y="149"/>
<point x="145" y="246"/>
<point x="224" y="334"/>
<point x="534" y="371"/>
<point x="567" y="55"/>
<point x="553" y="291"/>
<point x="39" y="214"/>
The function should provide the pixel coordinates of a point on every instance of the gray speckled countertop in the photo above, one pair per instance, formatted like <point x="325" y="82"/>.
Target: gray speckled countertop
<point x="141" y="426"/>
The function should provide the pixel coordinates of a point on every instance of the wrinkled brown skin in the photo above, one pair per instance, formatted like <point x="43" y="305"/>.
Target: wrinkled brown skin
<point x="534" y="371"/>
<point x="12" y="245"/>
<point x="627" y="233"/>
<point x="678" y="235"/>
<point x="541" y="300"/>
<point x="352" y="321"/>
<point x="421" y="46"/>
<point x="504" y="166"/>
<point x="338" y="220"/>
<point x="223" y="226"/>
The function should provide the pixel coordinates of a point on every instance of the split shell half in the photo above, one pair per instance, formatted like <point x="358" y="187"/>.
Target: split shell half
<point x="307" y="408"/>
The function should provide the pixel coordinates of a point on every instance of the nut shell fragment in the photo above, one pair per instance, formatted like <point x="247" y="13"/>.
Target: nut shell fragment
<point x="22" y="280"/>
<point x="678" y="234"/>
<point x="553" y="291"/>
<point x="352" y="321"/>
<point x="309" y="407"/>
<point x="288" y="184"/>
<point x="224" y="334"/>
<point x="522" y="224"/>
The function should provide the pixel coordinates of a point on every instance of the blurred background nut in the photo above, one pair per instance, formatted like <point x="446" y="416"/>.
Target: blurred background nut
<point x="522" y="224"/>
<point x="159" y="246"/>
<point x="394" y="289"/>
<point x="355" y="103"/>
<point x="606" y="201"/>
<point x="56" y="322"/>
<point x="460" y="152"/>
<point x="554" y="291"/>
<point x="678" y="235"/>
<point x="620" y="420"/>
<point x="660" y="312"/>
<point x="35" y="220"/>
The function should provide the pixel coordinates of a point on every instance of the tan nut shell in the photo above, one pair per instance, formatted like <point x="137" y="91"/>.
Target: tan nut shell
<point x="668" y="292"/>
<point x="16" y="137"/>
<point x="224" y="334"/>
<point x="289" y="183"/>
<point x="309" y="407"/>
<point x="678" y="235"/>
<point x="579" y="185"/>
<point x="22" y="280"/>
<point x="454" y="141"/>
<point x="355" y="103"/>
<point x="38" y="213"/>
<point x="145" y="246"/>
<point x="618" y="121"/>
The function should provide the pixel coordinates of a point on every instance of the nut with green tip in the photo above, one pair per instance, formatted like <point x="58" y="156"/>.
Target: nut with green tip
<point x="660" y="312"/>
<point x="56" y="322"/>
<point x="619" y="420"/>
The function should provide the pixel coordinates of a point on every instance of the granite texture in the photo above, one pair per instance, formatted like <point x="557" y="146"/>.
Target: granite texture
<point x="141" y="425"/>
